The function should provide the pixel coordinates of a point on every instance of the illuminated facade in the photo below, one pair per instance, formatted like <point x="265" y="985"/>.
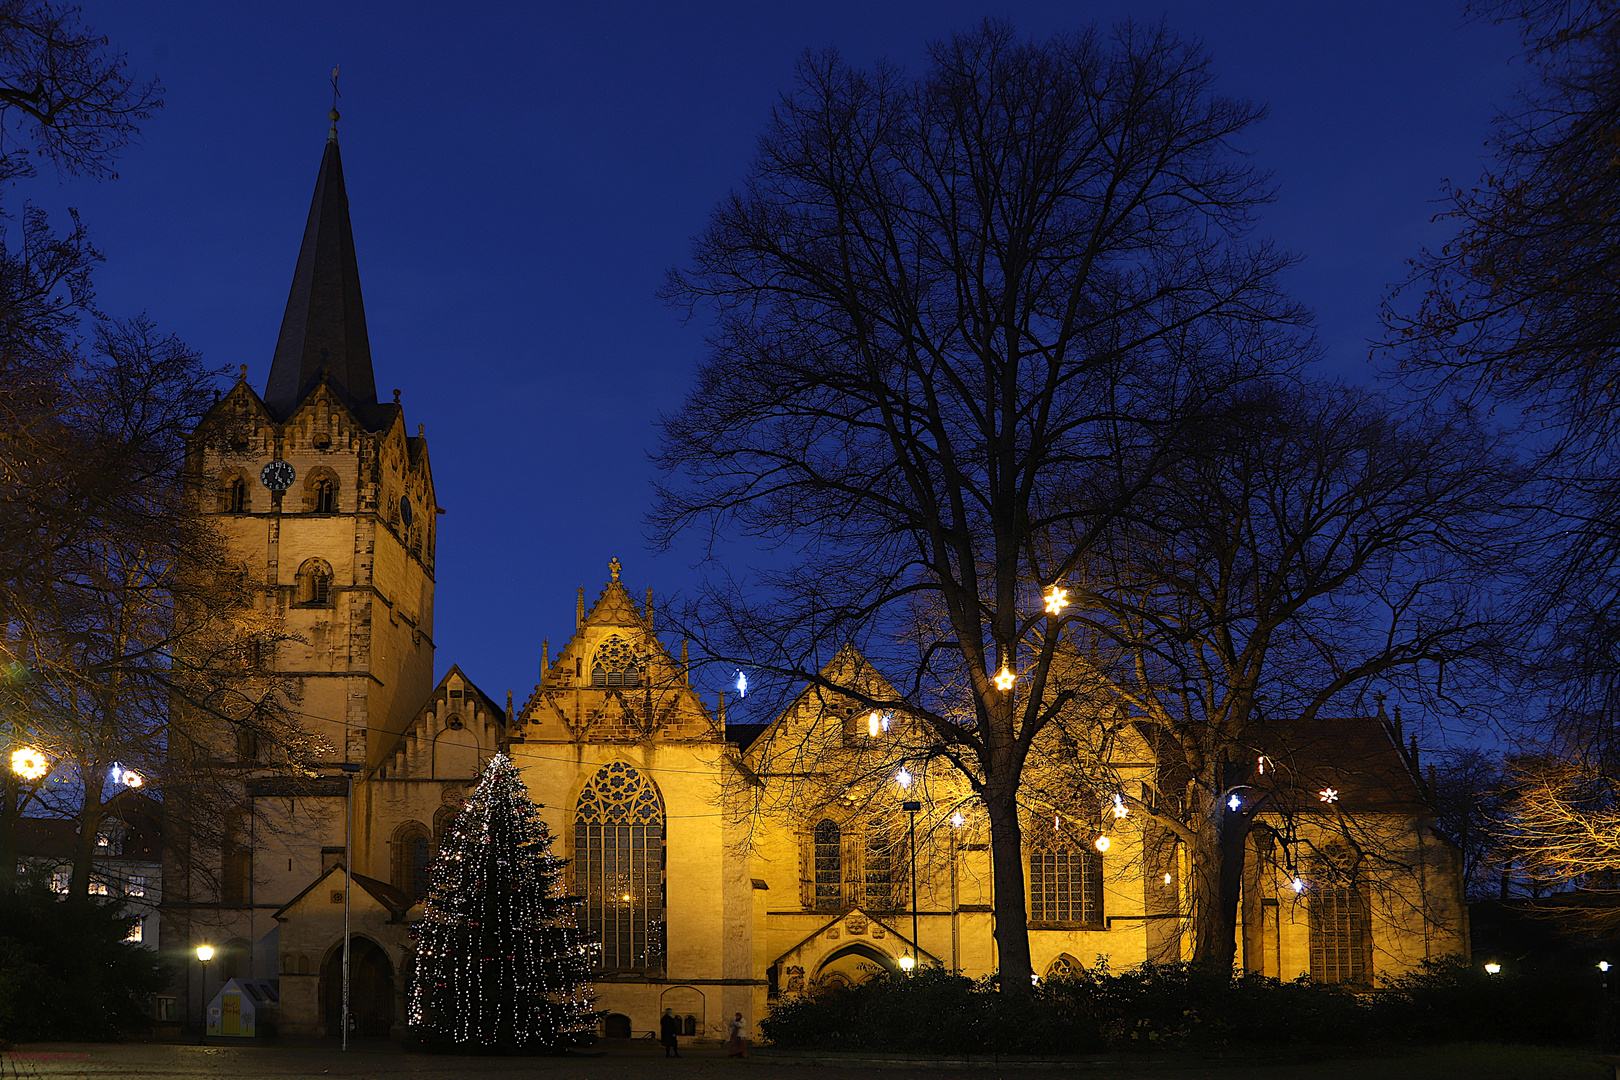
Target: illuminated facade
<point x="716" y="872"/>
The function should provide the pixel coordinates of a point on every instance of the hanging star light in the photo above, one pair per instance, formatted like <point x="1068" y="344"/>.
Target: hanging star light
<point x="957" y="820"/>
<point x="903" y="778"/>
<point x="1328" y="795"/>
<point x="1057" y="600"/>
<point x="1005" y="679"/>
<point x="1234" y="802"/>
<point x="742" y="684"/>
<point x="1120" y="809"/>
<point x="1298" y="884"/>
<point x="1103" y="843"/>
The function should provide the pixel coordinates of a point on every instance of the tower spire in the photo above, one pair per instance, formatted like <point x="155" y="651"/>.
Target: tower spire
<point x="324" y="327"/>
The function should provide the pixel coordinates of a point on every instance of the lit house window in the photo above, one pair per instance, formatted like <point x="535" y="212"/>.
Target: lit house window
<point x="619" y="867"/>
<point x="59" y="880"/>
<point x="136" y="885"/>
<point x="136" y="931"/>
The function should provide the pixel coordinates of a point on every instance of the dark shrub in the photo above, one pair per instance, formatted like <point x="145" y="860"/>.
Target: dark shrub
<point x="66" y="971"/>
<point x="1452" y="1000"/>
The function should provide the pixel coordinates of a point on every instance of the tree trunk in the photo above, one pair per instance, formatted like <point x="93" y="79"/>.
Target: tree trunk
<point x="91" y="813"/>
<point x="1217" y="872"/>
<point x="1007" y="860"/>
<point x="9" y="813"/>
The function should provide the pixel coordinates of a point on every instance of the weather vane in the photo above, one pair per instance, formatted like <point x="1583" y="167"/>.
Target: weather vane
<point x="336" y="93"/>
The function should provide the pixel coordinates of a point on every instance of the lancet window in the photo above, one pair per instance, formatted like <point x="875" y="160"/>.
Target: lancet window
<point x="619" y="867"/>
<point x="1065" y="881"/>
<point x="1340" y="928"/>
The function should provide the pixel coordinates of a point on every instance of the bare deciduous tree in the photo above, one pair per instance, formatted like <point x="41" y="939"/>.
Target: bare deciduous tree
<point x="963" y="319"/>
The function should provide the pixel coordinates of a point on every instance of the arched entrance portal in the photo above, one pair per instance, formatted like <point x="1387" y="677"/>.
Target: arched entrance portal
<point x="854" y="964"/>
<point x="371" y="990"/>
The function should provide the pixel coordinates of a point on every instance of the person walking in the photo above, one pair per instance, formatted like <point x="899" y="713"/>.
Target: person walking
<point x="734" y="1045"/>
<point x="669" y="1026"/>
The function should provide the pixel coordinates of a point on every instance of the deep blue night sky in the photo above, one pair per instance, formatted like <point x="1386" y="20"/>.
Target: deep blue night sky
<point x="521" y="175"/>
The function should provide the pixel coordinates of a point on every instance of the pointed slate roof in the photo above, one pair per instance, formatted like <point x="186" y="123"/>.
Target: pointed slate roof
<point x="324" y="328"/>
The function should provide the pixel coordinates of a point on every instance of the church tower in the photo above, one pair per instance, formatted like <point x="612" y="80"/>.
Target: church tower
<point x="329" y="501"/>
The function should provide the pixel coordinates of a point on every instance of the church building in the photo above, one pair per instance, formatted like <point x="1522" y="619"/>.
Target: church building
<point x="714" y="879"/>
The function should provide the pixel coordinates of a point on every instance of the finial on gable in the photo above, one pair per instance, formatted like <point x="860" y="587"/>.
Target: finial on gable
<point x="614" y="568"/>
<point x="579" y="610"/>
<point x="396" y="397"/>
<point x="241" y="375"/>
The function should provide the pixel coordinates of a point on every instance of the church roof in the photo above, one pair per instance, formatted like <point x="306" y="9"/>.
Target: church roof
<point x="615" y="607"/>
<point x="323" y="332"/>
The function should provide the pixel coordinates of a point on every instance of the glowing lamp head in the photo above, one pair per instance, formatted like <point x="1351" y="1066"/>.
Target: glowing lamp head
<point x="625" y="898"/>
<point x="205" y="953"/>
<point x="907" y="963"/>
<point x="903" y="778"/>
<point x="1493" y="968"/>
<point x="1603" y="965"/>
<point x="29" y="763"/>
<point x="1103" y="843"/>
<point x="957" y="821"/>
<point x="1004" y="679"/>
<point x="1057" y="600"/>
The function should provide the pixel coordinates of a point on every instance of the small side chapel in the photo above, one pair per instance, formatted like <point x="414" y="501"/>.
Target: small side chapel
<point x="716" y="878"/>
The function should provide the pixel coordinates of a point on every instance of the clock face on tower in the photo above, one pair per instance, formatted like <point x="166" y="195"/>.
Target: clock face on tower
<point x="278" y="475"/>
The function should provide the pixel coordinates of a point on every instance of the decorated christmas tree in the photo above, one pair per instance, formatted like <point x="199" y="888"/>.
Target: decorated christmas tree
<point x="501" y="965"/>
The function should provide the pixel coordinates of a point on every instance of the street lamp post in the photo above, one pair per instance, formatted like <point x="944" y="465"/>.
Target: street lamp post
<point x="911" y="806"/>
<point x="349" y="769"/>
<point x="205" y="953"/>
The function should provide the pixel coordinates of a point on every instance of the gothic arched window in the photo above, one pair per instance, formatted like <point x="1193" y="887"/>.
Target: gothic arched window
<point x="878" y="870"/>
<point x="1340" y="921"/>
<point x="413" y="859"/>
<point x="827" y="859"/>
<point x="236" y="495"/>
<point x="1065" y="881"/>
<point x="324" y="496"/>
<point x="619" y="867"/>
<point x="315" y="584"/>
<point x="615" y="664"/>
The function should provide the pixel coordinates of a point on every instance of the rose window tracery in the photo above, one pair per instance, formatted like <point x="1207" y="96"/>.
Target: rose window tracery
<point x="616" y="663"/>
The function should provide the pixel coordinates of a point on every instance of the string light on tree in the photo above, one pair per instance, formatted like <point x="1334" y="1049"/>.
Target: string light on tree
<point x="500" y="962"/>
<point x="957" y="820"/>
<point x="1120" y="809"/>
<point x="1004" y="679"/>
<point x="903" y="778"/>
<point x="1234" y="802"/>
<point x="1299" y="885"/>
<point x="1057" y="600"/>
<point x="1102" y="843"/>
<point x="29" y="763"/>
<point x="742" y="684"/>
<point x="1328" y="795"/>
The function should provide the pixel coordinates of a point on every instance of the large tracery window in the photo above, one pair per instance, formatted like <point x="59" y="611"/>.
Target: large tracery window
<point x="1341" y="934"/>
<point x="615" y="664"/>
<point x="828" y="860"/>
<point x="1065" y="882"/>
<point x="879" y="870"/>
<point x="619" y="867"/>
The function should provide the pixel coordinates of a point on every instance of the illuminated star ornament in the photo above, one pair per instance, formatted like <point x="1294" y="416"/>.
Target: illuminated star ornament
<point x="1328" y="795"/>
<point x="1005" y="679"/>
<point x="1120" y="810"/>
<point x="1057" y="600"/>
<point x="29" y="763"/>
<point x="742" y="684"/>
<point x="1234" y="803"/>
